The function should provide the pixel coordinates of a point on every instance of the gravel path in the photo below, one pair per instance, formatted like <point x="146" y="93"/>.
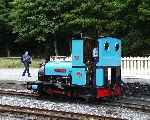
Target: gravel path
<point x="16" y="74"/>
<point x="108" y="111"/>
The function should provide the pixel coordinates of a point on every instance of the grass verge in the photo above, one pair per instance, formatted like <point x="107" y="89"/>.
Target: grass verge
<point x="16" y="63"/>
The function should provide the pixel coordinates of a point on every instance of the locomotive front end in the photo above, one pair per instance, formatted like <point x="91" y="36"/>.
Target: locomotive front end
<point x="108" y="68"/>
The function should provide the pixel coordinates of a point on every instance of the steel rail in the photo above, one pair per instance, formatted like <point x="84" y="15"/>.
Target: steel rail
<point x="137" y="104"/>
<point x="124" y="102"/>
<point x="4" y="92"/>
<point x="61" y="115"/>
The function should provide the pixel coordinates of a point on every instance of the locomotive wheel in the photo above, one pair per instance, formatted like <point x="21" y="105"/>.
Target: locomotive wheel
<point x="87" y="98"/>
<point x="40" y="90"/>
<point x="74" y="95"/>
<point x="29" y="86"/>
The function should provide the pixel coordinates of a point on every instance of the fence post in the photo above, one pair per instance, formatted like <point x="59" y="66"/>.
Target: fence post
<point x="132" y="65"/>
<point x="145" y="65"/>
<point x="138" y="65"/>
<point x="128" y="65"/>
<point x="135" y="65"/>
<point x="123" y="65"/>
<point x="142" y="70"/>
<point x="148" y="65"/>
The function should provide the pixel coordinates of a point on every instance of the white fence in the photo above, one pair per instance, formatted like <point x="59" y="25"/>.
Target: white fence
<point x="136" y="67"/>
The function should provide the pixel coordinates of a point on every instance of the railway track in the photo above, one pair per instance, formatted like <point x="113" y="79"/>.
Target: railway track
<point x="137" y="103"/>
<point x="18" y="93"/>
<point x="131" y="103"/>
<point x="53" y="114"/>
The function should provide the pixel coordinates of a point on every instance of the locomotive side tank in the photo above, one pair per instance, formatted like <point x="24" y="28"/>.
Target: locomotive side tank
<point x="58" y="68"/>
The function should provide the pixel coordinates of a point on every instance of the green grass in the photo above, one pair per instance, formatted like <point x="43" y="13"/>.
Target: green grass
<point x="16" y="63"/>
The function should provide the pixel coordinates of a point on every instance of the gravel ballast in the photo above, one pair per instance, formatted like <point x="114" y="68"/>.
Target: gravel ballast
<point x="100" y="110"/>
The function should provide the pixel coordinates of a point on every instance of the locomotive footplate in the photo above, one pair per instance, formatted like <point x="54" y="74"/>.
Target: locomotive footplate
<point x="69" y="90"/>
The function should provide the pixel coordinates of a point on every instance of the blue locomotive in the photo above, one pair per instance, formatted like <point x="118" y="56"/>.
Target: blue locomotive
<point x="93" y="71"/>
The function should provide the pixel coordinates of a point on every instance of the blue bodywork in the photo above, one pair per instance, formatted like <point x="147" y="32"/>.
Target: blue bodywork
<point x="78" y="67"/>
<point x="109" y="56"/>
<point x="52" y="66"/>
<point x="99" y="77"/>
<point x="35" y="88"/>
<point x="77" y="53"/>
<point x="79" y="76"/>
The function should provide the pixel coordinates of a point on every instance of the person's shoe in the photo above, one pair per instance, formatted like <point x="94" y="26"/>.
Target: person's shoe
<point x="29" y="75"/>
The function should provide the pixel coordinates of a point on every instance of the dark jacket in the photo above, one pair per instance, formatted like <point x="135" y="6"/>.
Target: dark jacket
<point x="26" y="59"/>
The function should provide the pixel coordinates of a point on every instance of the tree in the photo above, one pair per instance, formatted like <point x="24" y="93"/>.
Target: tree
<point x="35" y="20"/>
<point x="137" y="36"/>
<point x="6" y="36"/>
<point x="48" y="21"/>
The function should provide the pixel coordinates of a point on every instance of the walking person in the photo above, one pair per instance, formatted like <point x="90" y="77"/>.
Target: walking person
<point x="26" y="60"/>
